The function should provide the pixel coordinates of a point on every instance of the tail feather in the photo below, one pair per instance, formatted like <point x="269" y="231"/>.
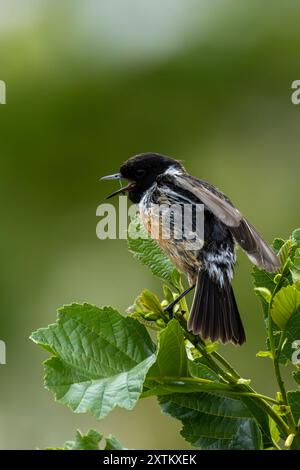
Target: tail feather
<point x="214" y="314"/>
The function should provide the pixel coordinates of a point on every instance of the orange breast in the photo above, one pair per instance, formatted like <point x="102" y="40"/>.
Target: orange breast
<point x="185" y="260"/>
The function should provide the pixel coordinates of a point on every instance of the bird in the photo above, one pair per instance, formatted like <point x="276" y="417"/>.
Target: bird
<point x="158" y="179"/>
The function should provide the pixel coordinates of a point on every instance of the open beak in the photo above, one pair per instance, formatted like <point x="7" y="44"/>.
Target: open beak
<point x="116" y="176"/>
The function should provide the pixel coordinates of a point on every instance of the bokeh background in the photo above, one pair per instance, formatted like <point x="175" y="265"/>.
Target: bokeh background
<point x="90" y="83"/>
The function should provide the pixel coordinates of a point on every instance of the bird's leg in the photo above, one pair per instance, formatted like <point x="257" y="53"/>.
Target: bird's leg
<point x="169" y="308"/>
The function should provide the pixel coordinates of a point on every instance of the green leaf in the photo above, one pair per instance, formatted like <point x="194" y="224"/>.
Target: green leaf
<point x="277" y="244"/>
<point x="274" y="431"/>
<point x="296" y="376"/>
<point x="173" y="372"/>
<point x="100" y="358"/>
<point x="262" y="419"/>
<point x="294" y="402"/>
<point x="211" y="421"/>
<point x="296" y="260"/>
<point x="199" y="369"/>
<point x="89" y="441"/>
<point x="171" y="358"/>
<point x="264" y="293"/>
<point x="284" y="305"/>
<point x="145" y="303"/>
<point x="149" y="253"/>
<point x="295" y="275"/>
<point x="295" y="269"/>
<point x="292" y="333"/>
<point x="263" y="279"/>
<point x="176" y="280"/>
<point x="296" y="236"/>
<point x="150" y="301"/>
<point x="169" y="296"/>
<point x="178" y="386"/>
<point x="111" y="443"/>
<point x="286" y="251"/>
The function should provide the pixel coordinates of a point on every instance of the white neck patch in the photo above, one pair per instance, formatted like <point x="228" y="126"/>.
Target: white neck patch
<point x="173" y="171"/>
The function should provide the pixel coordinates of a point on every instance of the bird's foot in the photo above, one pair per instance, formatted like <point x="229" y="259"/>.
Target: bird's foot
<point x="169" y="310"/>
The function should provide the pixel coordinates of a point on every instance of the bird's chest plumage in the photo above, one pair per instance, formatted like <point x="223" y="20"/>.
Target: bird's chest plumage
<point x="161" y="212"/>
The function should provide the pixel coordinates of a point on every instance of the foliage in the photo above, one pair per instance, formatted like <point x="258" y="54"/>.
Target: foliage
<point x="91" y="441"/>
<point x="101" y="359"/>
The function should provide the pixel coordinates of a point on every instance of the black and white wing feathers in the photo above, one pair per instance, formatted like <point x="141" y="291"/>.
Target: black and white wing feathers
<point x="242" y="231"/>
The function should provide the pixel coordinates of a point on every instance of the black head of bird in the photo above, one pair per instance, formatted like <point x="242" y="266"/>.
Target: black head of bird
<point x="141" y="171"/>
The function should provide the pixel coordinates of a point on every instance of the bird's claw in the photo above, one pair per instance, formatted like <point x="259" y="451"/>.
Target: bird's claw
<point x="169" y="310"/>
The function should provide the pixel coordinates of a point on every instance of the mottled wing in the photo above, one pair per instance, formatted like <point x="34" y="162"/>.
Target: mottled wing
<point x="243" y="232"/>
<point x="214" y="200"/>
<point x="256" y="248"/>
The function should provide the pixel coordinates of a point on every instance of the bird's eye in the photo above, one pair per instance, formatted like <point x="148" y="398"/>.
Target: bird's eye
<point x="140" y="173"/>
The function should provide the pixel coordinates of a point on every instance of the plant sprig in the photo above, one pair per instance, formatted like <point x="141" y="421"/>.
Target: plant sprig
<point x="102" y="359"/>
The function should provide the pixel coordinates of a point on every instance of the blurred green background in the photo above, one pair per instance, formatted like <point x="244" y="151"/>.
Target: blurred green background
<point x="90" y="83"/>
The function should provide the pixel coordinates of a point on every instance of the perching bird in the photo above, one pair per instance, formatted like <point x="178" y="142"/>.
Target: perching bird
<point x="157" y="179"/>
